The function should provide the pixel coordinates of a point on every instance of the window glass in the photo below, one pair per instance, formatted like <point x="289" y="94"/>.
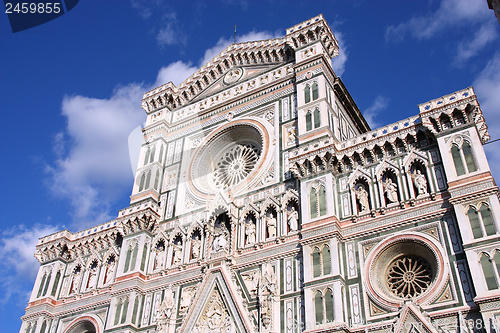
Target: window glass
<point x="457" y="160"/>
<point x="474" y="223"/>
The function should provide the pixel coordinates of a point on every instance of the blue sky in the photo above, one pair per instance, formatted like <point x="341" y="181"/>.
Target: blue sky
<point x="70" y="93"/>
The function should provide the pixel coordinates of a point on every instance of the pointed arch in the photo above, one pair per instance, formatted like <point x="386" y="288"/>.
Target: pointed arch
<point x="308" y="121"/>
<point x="315" y="93"/>
<point x="317" y="119"/>
<point x="307" y="94"/>
<point x="488" y="271"/>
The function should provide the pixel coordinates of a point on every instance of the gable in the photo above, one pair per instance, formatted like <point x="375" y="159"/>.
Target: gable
<point x="217" y="306"/>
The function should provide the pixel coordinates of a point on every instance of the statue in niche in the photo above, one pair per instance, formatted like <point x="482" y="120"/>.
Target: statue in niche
<point x="91" y="283"/>
<point x="75" y="281"/>
<point x="271" y="226"/>
<point x="390" y="190"/>
<point x="165" y="311"/>
<point x="110" y="269"/>
<point x="293" y="219"/>
<point x="250" y="232"/>
<point x="177" y="253"/>
<point x="266" y="296"/>
<point x="420" y="183"/>
<point x="362" y="197"/>
<point x="220" y="242"/>
<point x="159" y="258"/>
<point x="220" y="234"/>
<point x="196" y="248"/>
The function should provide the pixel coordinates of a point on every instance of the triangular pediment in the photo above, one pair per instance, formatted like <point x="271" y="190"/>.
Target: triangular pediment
<point x="218" y="307"/>
<point x="235" y="76"/>
<point x="411" y="320"/>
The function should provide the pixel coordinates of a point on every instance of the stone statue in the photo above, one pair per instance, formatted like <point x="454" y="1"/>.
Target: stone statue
<point x="196" y="248"/>
<point x="250" y="232"/>
<point x="362" y="197"/>
<point x="390" y="190"/>
<point x="75" y="283"/>
<point x="110" y="269"/>
<point x="220" y="242"/>
<point x="159" y="259"/>
<point x="177" y="253"/>
<point x="420" y="183"/>
<point x="92" y="279"/>
<point x="293" y="218"/>
<point x="165" y="311"/>
<point x="271" y="227"/>
<point x="266" y="296"/>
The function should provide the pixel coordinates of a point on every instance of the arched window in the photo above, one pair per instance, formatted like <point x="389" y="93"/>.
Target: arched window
<point x="127" y="259"/>
<point x="488" y="271"/>
<point x="457" y="160"/>
<point x="307" y="94"/>
<point x="321" y="261"/>
<point x="496" y="258"/>
<point x="148" y="179"/>
<point x="144" y="254"/>
<point x="124" y="311"/>
<point x="141" y="183"/>
<point x="469" y="159"/>
<point x="157" y="178"/>
<point x="463" y="159"/>
<point x="313" y="203"/>
<point x="325" y="256"/>
<point x="56" y="283"/>
<point x="315" y="91"/>
<point x="481" y="222"/>
<point x="152" y="156"/>
<point x="118" y="311"/>
<point x="485" y="213"/>
<point x="474" y="223"/>
<point x="47" y="282"/>
<point x="322" y="201"/>
<point x="42" y="284"/>
<point x="329" y="305"/>
<point x="317" y="120"/>
<point x="308" y="121"/>
<point x="160" y="158"/>
<point x="146" y="157"/>
<point x="316" y="262"/>
<point x="44" y="327"/>
<point x="318" y="307"/>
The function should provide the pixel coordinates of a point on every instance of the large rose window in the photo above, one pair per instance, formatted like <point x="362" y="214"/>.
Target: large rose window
<point x="235" y="165"/>
<point x="234" y="157"/>
<point x="401" y="267"/>
<point x="409" y="276"/>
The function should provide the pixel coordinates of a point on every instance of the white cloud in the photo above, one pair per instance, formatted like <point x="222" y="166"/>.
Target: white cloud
<point x="176" y="72"/>
<point x="338" y="63"/>
<point x="449" y="13"/>
<point x="371" y="113"/>
<point x="222" y="43"/>
<point x="487" y="88"/>
<point x="95" y="168"/>
<point x="469" y="48"/>
<point x="17" y="246"/>
<point x="169" y="33"/>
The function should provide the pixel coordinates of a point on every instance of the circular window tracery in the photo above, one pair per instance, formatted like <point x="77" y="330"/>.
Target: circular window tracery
<point x="409" y="276"/>
<point x="235" y="165"/>
<point x="235" y="156"/>
<point x="406" y="266"/>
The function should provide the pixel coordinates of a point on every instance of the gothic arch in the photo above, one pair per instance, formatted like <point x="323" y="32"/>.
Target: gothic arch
<point x="87" y="324"/>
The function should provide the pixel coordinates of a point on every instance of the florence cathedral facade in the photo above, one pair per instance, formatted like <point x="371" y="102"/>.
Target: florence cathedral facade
<point x="263" y="202"/>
